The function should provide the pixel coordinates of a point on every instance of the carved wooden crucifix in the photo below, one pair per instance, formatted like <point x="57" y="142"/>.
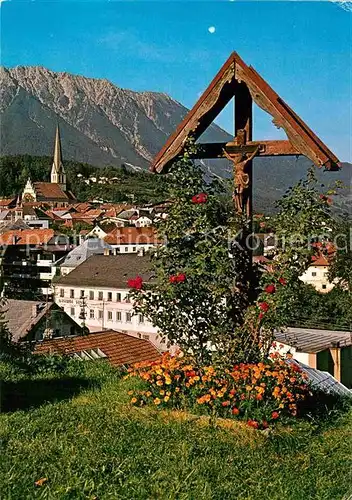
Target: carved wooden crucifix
<point x="236" y="79"/>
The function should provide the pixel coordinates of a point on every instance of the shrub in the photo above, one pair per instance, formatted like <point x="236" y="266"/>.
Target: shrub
<point x="259" y="393"/>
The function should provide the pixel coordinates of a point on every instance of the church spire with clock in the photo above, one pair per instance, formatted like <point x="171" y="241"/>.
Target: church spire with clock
<point x="58" y="174"/>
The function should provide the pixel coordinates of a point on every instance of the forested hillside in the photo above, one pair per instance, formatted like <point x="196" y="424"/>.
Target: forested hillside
<point x="122" y="184"/>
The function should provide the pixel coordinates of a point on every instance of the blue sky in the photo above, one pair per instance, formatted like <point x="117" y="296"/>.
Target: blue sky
<point x="303" y="49"/>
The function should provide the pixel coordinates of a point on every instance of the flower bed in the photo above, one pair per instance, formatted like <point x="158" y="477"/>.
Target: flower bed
<point x="259" y="393"/>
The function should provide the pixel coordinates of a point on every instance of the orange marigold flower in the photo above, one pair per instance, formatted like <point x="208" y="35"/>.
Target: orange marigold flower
<point x="134" y="400"/>
<point x="157" y="401"/>
<point x="275" y="415"/>
<point x="235" y="411"/>
<point x="225" y="403"/>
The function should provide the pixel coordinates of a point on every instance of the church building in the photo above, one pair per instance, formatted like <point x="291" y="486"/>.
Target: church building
<point x="53" y="193"/>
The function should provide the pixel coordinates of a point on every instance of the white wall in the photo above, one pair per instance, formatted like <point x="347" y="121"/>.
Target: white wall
<point x="318" y="277"/>
<point x="108" y="312"/>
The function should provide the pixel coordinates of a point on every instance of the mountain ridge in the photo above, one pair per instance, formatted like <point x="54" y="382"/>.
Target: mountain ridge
<point x="102" y="124"/>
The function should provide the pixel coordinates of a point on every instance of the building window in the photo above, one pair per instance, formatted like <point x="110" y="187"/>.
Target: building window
<point x="72" y="294"/>
<point x="109" y="296"/>
<point x="109" y="315"/>
<point x="126" y="249"/>
<point x="127" y="299"/>
<point x="72" y="311"/>
<point x="117" y="249"/>
<point x="323" y="287"/>
<point x="118" y="316"/>
<point x="100" y="295"/>
<point x="314" y="273"/>
<point x="62" y="292"/>
<point x="118" y="297"/>
<point x="146" y="337"/>
<point x="82" y="294"/>
<point x="134" y="249"/>
<point x="128" y="317"/>
<point x="100" y="314"/>
<point x="91" y="313"/>
<point x="141" y="318"/>
<point x="91" y="295"/>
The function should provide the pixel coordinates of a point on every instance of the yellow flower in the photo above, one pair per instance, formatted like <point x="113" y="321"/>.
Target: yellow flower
<point x="157" y="401"/>
<point x="159" y="383"/>
<point x="130" y="393"/>
<point x="148" y="394"/>
<point x="134" y="400"/>
<point x="162" y="393"/>
<point x="168" y="381"/>
<point x="177" y="389"/>
<point x="166" y="398"/>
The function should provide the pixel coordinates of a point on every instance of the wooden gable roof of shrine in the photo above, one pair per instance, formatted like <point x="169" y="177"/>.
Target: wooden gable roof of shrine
<point x="226" y="84"/>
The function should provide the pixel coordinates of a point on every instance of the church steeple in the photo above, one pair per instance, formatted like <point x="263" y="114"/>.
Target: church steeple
<point x="58" y="175"/>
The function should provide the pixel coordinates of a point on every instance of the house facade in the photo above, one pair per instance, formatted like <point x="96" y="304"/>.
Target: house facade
<point x="95" y="293"/>
<point x="317" y="275"/>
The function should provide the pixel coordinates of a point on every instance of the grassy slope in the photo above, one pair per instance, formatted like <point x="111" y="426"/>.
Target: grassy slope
<point x="96" y="446"/>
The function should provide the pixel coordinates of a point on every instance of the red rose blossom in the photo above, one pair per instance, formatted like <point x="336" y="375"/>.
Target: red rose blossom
<point x="136" y="282"/>
<point x="265" y="424"/>
<point x="235" y="411"/>
<point x="260" y="316"/>
<point x="200" y="198"/>
<point x="270" y="289"/>
<point x="275" y="415"/>
<point x="264" y="306"/>
<point x="177" y="278"/>
<point x="253" y="423"/>
<point x="282" y="281"/>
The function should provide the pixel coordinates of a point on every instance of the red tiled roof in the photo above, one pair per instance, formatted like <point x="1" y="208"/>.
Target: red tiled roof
<point x="320" y="261"/>
<point x="49" y="190"/>
<point x="26" y="237"/>
<point x="120" y="348"/>
<point x="6" y="202"/>
<point x="133" y="236"/>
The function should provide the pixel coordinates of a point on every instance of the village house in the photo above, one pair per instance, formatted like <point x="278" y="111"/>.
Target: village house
<point x="29" y="320"/>
<point x="118" y="348"/>
<point x="97" y="292"/>
<point x="27" y="261"/>
<point x="131" y="240"/>
<point x="317" y="275"/>
<point x="89" y="247"/>
<point x="326" y="350"/>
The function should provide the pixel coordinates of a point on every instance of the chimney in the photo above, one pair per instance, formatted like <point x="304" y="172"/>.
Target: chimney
<point x="34" y="310"/>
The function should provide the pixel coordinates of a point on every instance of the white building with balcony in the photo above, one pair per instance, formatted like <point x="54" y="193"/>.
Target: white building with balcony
<point x="96" y="293"/>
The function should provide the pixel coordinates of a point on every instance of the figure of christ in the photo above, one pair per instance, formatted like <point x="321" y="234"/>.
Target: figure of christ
<point x="241" y="178"/>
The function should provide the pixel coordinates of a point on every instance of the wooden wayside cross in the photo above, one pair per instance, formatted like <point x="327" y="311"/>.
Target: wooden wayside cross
<point x="237" y="80"/>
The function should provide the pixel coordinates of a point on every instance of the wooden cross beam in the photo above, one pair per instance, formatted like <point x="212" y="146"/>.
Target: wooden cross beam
<point x="215" y="150"/>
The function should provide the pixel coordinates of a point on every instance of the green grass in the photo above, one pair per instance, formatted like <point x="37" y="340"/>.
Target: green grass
<point x="90" y="443"/>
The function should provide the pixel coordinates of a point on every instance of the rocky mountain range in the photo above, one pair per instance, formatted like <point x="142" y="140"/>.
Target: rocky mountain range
<point x="102" y="124"/>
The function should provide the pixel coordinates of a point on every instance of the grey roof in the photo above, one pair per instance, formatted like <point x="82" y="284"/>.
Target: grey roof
<point x="110" y="271"/>
<point x="323" y="380"/>
<point x="23" y="315"/>
<point x="12" y="226"/>
<point x="312" y="340"/>
<point x="91" y="246"/>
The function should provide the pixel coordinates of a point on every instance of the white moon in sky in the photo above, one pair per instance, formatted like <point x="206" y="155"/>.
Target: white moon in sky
<point x="211" y="29"/>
